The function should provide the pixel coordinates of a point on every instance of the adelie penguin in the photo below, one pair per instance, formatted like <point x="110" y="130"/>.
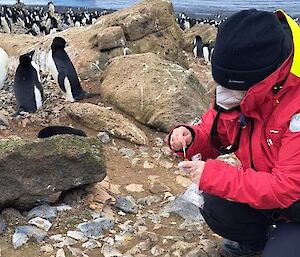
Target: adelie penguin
<point x="63" y="72"/>
<point x="27" y="85"/>
<point x="3" y="67"/>
<point x="198" y="47"/>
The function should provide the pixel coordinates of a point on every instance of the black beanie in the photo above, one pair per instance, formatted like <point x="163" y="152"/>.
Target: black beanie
<point x="250" y="45"/>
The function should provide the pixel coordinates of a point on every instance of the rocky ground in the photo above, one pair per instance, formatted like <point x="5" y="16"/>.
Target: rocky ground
<point x="142" y="207"/>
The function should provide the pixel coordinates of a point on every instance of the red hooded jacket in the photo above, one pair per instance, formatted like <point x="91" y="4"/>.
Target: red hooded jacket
<point x="269" y="149"/>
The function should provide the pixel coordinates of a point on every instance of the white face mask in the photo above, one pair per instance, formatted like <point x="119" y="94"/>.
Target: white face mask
<point x="228" y="98"/>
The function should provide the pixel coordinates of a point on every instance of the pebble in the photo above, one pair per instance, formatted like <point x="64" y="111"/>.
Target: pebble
<point x="23" y="233"/>
<point x="2" y="225"/>
<point x="19" y="239"/>
<point x="148" y="200"/>
<point x="148" y="165"/>
<point x="41" y="223"/>
<point x="76" y="252"/>
<point x="157" y="251"/>
<point x="183" y="181"/>
<point x="103" y="137"/>
<point x="48" y="248"/>
<point x="43" y="211"/>
<point x="127" y="152"/>
<point x="134" y="188"/>
<point x="157" y="187"/>
<point x="109" y="251"/>
<point x="77" y="235"/>
<point x="91" y="244"/>
<point x="66" y="241"/>
<point x="63" y="207"/>
<point x="158" y="142"/>
<point x="60" y="253"/>
<point x="93" y="229"/>
<point x="166" y="164"/>
<point x="126" y="204"/>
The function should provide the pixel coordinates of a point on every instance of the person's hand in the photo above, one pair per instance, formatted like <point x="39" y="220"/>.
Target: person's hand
<point x="180" y="138"/>
<point x="193" y="168"/>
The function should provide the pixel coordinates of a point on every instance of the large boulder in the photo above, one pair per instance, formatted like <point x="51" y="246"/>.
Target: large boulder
<point x="104" y="119"/>
<point x="156" y="92"/>
<point x="31" y="171"/>
<point x="148" y="26"/>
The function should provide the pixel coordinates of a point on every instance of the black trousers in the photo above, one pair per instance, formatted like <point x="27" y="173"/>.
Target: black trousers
<point x="250" y="227"/>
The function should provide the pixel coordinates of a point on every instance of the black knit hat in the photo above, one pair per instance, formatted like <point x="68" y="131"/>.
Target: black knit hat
<point x="250" y="45"/>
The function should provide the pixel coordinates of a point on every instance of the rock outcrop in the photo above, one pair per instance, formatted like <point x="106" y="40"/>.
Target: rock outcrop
<point x="104" y="119"/>
<point x="32" y="171"/>
<point x="156" y="92"/>
<point x="149" y="26"/>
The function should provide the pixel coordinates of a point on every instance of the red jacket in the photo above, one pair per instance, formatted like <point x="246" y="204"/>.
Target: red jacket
<point x="273" y="180"/>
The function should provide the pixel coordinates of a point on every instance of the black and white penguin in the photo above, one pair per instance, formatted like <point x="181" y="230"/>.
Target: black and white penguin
<point x="3" y="67"/>
<point x="208" y="49"/>
<point x="63" y="72"/>
<point x="198" y="47"/>
<point x="60" y="130"/>
<point x="51" y="8"/>
<point x="27" y="85"/>
<point x="5" y="24"/>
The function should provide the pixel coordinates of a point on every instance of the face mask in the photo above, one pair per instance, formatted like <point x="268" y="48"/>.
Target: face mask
<point x="228" y="98"/>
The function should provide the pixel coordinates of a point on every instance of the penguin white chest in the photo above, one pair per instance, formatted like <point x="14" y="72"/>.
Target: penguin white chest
<point x="3" y="67"/>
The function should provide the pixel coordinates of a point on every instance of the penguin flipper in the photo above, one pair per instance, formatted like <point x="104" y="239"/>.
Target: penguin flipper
<point x="61" y="81"/>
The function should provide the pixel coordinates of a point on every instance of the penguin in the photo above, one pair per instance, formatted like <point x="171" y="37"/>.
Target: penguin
<point x="63" y="72"/>
<point x="208" y="49"/>
<point x="198" y="47"/>
<point x="5" y="24"/>
<point x="27" y="85"/>
<point x="3" y="67"/>
<point x="51" y="8"/>
<point x="59" y="130"/>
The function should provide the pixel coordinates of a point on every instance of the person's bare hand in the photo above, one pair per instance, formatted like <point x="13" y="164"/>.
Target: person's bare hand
<point x="193" y="168"/>
<point x="180" y="138"/>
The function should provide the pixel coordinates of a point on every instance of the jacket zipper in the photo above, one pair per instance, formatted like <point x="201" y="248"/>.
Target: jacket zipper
<point x="251" y="132"/>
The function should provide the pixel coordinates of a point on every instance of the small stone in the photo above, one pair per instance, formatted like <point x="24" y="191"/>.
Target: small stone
<point x="60" y="253"/>
<point x="148" y="165"/>
<point x="158" y="142"/>
<point x="57" y="238"/>
<point x="94" y="229"/>
<point x="41" y="223"/>
<point x="126" y="152"/>
<point x="66" y="241"/>
<point x="148" y="200"/>
<point x="197" y="252"/>
<point x="146" y="235"/>
<point x="157" y="187"/>
<point x="183" y="181"/>
<point x="167" y="151"/>
<point x="2" y="225"/>
<point x="11" y="215"/>
<point x="76" y="252"/>
<point x="91" y="244"/>
<point x="43" y="211"/>
<point x="126" y="204"/>
<point x="157" y="226"/>
<point x="134" y="188"/>
<point x="19" y="239"/>
<point x="63" y="207"/>
<point x="48" y="248"/>
<point x="77" y="235"/>
<point x="166" y="164"/>
<point x="157" y="251"/>
<point x="109" y="251"/>
<point x="104" y="137"/>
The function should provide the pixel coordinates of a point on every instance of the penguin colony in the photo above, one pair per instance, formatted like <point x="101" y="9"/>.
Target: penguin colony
<point x="41" y="20"/>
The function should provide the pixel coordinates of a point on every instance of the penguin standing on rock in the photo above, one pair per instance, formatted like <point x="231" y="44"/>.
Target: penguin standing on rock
<point x="63" y="72"/>
<point x="27" y="85"/>
<point x="3" y="67"/>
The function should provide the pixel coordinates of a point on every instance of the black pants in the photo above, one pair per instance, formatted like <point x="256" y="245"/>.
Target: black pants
<point x="241" y="223"/>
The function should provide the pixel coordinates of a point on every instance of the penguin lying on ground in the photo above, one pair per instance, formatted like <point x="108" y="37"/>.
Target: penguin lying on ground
<point x="27" y="85"/>
<point x="63" y="72"/>
<point x="60" y="130"/>
<point x="3" y="67"/>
